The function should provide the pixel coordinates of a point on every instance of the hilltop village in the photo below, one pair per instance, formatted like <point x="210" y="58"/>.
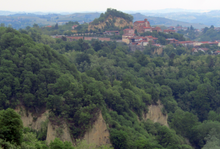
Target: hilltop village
<point x="135" y="36"/>
<point x="129" y="37"/>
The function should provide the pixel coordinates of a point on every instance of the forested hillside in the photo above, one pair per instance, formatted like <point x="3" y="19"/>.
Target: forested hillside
<point x="75" y="80"/>
<point x="186" y="84"/>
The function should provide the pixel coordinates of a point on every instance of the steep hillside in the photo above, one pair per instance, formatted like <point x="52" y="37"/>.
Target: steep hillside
<point x="40" y="79"/>
<point x="187" y="86"/>
<point x="111" y="21"/>
<point x="97" y="135"/>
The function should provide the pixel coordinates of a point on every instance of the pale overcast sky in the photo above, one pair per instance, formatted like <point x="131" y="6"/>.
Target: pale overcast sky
<point x="102" y="5"/>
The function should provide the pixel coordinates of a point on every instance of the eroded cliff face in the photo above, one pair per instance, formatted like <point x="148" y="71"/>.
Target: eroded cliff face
<point x="155" y="114"/>
<point x="99" y="134"/>
<point x="31" y="120"/>
<point x="54" y="131"/>
<point x="158" y="51"/>
<point x="119" y="22"/>
<point x="35" y="122"/>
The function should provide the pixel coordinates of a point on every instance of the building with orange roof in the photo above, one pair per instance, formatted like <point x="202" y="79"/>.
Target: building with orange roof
<point x="139" y="25"/>
<point x="147" y="29"/>
<point x="172" y="41"/>
<point x="151" y="38"/>
<point x="217" y="52"/>
<point x="157" y="29"/>
<point x="128" y="31"/>
<point x="186" y="43"/>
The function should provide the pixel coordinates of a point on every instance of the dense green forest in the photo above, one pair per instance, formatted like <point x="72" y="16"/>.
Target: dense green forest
<point x="75" y="80"/>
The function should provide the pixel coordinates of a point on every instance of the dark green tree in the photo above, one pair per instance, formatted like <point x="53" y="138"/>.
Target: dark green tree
<point x="11" y="126"/>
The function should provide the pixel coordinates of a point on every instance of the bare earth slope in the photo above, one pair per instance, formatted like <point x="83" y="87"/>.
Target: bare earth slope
<point x="155" y="114"/>
<point x="119" y="22"/>
<point x="98" y="135"/>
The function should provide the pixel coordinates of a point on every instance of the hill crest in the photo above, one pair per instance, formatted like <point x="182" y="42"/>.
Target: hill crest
<point x="116" y="21"/>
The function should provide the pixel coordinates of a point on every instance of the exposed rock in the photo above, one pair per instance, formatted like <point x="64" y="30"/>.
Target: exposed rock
<point x="99" y="134"/>
<point x="155" y="114"/>
<point x="31" y="120"/>
<point x="159" y="51"/>
<point x="119" y="22"/>
<point x="34" y="121"/>
<point x="61" y="132"/>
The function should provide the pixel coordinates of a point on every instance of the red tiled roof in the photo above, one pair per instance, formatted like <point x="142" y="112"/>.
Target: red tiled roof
<point x="147" y="28"/>
<point x="217" y="51"/>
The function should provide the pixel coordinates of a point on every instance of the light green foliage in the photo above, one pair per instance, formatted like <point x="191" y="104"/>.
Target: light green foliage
<point x="58" y="144"/>
<point x="212" y="140"/>
<point x="30" y="142"/>
<point x="82" y="144"/>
